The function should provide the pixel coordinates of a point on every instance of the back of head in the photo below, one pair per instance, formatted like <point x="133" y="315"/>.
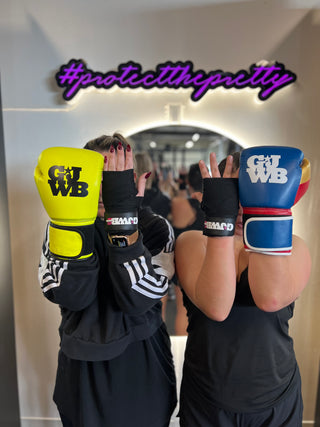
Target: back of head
<point x="105" y="142"/>
<point x="236" y="162"/>
<point x="194" y="177"/>
<point x="143" y="164"/>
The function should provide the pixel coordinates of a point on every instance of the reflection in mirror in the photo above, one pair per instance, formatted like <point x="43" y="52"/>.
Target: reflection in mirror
<point x="178" y="146"/>
<point x="170" y="151"/>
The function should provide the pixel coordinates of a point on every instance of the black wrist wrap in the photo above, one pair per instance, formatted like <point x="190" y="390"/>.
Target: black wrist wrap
<point x="220" y="204"/>
<point x="120" y="202"/>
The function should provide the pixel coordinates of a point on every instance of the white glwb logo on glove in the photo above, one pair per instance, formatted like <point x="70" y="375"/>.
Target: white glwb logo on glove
<point x="266" y="169"/>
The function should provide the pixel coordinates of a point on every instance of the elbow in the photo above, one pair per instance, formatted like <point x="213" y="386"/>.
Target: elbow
<point x="216" y="309"/>
<point x="269" y="305"/>
<point x="136" y="308"/>
<point x="218" y="315"/>
<point x="133" y="311"/>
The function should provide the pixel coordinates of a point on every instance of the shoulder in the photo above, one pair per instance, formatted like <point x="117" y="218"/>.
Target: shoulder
<point x="183" y="213"/>
<point x="178" y="203"/>
<point x="190" y="235"/>
<point x="178" y="200"/>
<point x="190" y="241"/>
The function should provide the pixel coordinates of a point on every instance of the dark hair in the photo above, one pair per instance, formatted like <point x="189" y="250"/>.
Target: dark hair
<point x="104" y="142"/>
<point x="194" y="177"/>
<point x="236" y="162"/>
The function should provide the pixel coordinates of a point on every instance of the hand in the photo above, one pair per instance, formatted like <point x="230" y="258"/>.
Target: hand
<point x="119" y="193"/>
<point x="215" y="173"/>
<point x="220" y="201"/>
<point x="117" y="160"/>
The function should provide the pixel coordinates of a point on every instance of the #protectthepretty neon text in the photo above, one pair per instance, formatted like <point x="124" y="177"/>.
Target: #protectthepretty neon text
<point x="75" y="76"/>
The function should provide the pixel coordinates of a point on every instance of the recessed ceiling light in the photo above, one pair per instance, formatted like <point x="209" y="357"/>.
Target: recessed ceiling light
<point x="189" y="144"/>
<point x="195" y="137"/>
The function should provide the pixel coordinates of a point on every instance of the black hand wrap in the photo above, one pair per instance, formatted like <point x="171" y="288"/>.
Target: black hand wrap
<point x="120" y="202"/>
<point x="220" y="204"/>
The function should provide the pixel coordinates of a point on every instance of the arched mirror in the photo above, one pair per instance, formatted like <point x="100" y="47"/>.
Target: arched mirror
<point x="173" y="149"/>
<point x="178" y="146"/>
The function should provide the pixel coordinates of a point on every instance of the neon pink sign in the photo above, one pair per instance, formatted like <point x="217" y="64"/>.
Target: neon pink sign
<point x="75" y="76"/>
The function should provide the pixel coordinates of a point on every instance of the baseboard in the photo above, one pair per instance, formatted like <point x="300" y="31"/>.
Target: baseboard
<point x="55" y="422"/>
<point x="40" y="422"/>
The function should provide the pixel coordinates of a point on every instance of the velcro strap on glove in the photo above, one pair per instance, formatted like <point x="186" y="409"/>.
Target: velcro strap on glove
<point x="220" y="204"/>
<point x="120" y="202"/>
<point x="71" y="242"/>
<point x="270" y="235"/>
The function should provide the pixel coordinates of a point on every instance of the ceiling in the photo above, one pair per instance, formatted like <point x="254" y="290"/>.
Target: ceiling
<point x="180" y="138"/>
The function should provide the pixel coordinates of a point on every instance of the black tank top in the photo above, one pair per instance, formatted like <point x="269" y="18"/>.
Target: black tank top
<point x="243" y="364"/>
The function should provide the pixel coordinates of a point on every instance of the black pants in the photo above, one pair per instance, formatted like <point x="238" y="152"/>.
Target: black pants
<point x="287" y="413"/>
<point x="65" y="421"/>
<point x="138" y="386"/>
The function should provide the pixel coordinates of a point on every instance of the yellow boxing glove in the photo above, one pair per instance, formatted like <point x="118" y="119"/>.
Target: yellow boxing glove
<point x="68" y="181"/>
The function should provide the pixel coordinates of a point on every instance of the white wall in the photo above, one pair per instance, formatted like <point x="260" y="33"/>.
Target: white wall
<point x="37" y="37"/>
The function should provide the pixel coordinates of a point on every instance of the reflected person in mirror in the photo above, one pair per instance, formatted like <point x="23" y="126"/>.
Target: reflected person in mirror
<point x="186" y="215"/>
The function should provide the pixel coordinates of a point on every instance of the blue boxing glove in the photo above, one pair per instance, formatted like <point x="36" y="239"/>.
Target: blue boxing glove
<point x="271" y="180"/>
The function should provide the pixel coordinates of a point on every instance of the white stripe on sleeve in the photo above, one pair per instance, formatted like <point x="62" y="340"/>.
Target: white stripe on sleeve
<point x="143" y="282"/>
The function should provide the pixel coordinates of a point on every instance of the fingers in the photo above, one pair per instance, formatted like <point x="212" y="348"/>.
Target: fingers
<point x="119" y="159"/>
<point x="105" y="164"/>
<point x="215" y="173"/>
<point x="129" y="158"/>
<point x="213" y="165"/>
<point x="142" y="183"/>
<point x="228" y="169"/>
<point x="204" y="170"/>
<point x="111" y="162"/>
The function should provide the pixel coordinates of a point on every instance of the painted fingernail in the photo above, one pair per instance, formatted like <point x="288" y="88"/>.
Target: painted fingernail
<point x="148" y="174"/>
<point x="128" y="147"/>
<point x="111" y="149"/>
<point x="105" y="159"/>
<point x="119" y="147"/>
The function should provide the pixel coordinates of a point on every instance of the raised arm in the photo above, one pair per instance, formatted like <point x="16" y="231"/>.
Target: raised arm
<point x="68" y="181"/>
<point x="271" y="180"/>
<point x="205" y="262"/>
<point x="275" y="282"/>
<point x="69" y="283"/>
<point x="140" y="244"/>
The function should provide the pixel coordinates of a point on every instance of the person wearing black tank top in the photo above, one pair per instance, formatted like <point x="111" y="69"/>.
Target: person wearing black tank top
<point x="240" y="367"/>
<point x="186" y="214"/>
